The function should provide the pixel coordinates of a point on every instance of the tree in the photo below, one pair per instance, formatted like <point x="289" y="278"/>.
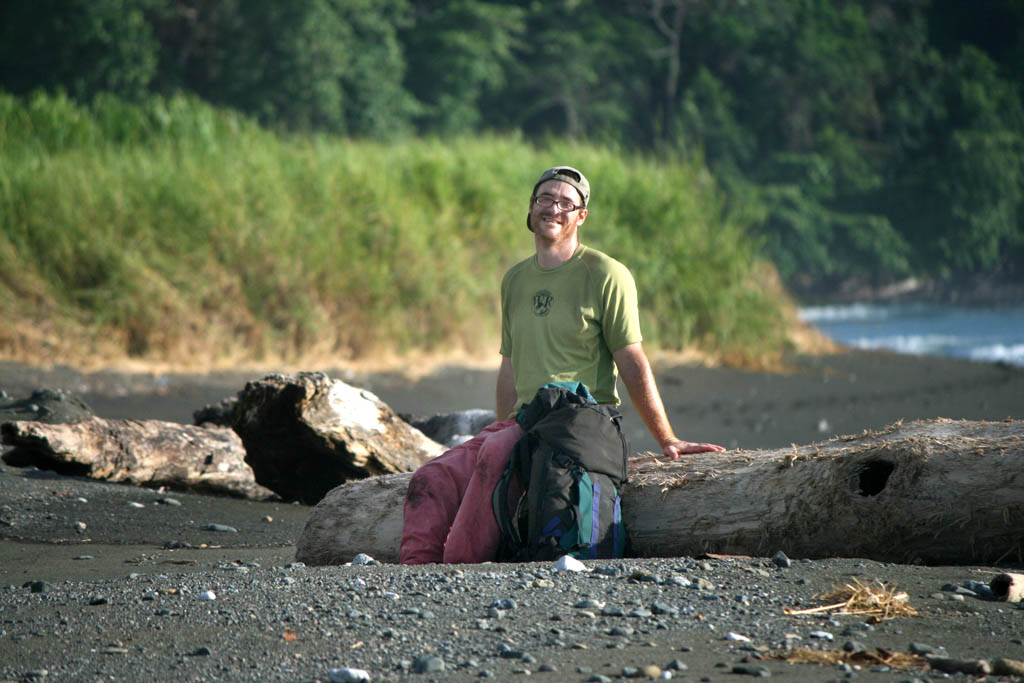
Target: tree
<point x="459" y="52"/>
<point x="310" y="64"/>
<point x="581" y="72"/>
<point x="83" y="47"/>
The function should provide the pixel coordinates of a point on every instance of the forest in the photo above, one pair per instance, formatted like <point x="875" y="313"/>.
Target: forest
<point x="862" y="141"/>
<point x="870" y="138"/>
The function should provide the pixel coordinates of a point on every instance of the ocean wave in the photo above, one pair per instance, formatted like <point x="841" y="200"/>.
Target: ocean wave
<point x="916" y="344"/>
<point x="993" y="334"/>
<point x="844" y="312"/>
<point x="1002" y="353"/>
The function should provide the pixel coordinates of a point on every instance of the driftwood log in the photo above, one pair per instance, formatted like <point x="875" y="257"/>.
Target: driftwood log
<point x="207" y="459"/>
<point x="305" y="433"/>
<point x="932" y="491"/>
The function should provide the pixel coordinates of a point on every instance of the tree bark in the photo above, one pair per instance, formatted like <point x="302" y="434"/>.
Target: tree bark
<point x="142" y="452"/>
<point x="932" y="491"/>
<point x="304" y="434"/>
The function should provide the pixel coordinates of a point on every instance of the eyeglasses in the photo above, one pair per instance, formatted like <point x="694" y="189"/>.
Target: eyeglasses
<point x="562" y="204"/>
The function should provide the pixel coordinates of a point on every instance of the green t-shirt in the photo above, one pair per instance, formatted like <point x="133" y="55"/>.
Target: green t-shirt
<point x="562" y="324"/>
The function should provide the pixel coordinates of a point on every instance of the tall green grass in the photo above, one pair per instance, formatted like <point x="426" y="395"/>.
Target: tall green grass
<point x="172" y="229"/>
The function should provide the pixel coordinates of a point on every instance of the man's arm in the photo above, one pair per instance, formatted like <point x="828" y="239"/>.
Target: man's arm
<point x="635" y="370"/>
<point x="505" y="392"/>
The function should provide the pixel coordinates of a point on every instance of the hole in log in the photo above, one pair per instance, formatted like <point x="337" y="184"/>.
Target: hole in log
<point x="874" y="476"/>
<point x="1001" y="586"/>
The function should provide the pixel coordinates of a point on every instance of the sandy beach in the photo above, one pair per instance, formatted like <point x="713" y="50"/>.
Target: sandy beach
<point x="124" y="584"/>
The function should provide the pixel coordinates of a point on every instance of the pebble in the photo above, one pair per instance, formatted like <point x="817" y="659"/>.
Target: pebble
<point x="427" y="664"/>
<point x="504" y="603"/>
<point x="134" y="504"/>
<point x="507" y="652"/>
<point x="222" y="528"/>
<point x="567" y="563"/>
<point x="677" y="580"/>
<point x="980" y="588"/>
<point x="347" y="675"/>
<point x="169" y="501"/>
<point x="589" y="603"/>
<point x="781" y="561"/>
<point x="821" y="635"/>
<point x="40" y="586"/>
<point x="363" y="559"/>
<point x="207" y="595"/>
<point x="922" y="649"/>
<point x="738" y="637"/>
<point x="663" y="608"/>
<point x="752" y="670"/>
<point x="854" y="646"/>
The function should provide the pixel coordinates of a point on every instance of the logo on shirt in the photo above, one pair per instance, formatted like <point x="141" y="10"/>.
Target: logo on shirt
<point x="542" y="303"/>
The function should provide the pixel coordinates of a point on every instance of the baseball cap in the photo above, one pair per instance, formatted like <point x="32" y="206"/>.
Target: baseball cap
<point x="567" y="174"/>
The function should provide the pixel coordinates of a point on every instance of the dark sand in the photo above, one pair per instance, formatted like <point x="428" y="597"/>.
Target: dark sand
<point x="817" y="398"/>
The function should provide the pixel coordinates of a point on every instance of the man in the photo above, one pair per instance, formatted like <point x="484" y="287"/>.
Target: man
<point x="569" y="313"/>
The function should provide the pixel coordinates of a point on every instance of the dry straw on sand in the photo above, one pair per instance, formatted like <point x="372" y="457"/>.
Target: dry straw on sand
<point x="877" y="602"/>
<point x="877" y="657"/>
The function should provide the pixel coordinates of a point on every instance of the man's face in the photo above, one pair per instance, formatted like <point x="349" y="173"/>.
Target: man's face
<point x="551" y="223"/>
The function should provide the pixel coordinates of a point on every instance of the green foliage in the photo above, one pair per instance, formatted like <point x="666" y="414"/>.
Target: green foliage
<point x="82" y="47"/>
<point x="270" y="246"/>
<point x="458" y="51"/>
<point x="304" y="64"/>
<point x="868" y="138"/>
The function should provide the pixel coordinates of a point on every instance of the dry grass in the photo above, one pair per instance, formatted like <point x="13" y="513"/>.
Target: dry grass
<point x="876" y="602"/>
<point x="877" y="657"/>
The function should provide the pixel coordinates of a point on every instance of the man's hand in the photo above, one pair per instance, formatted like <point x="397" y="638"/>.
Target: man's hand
<point x="677" y="447"/>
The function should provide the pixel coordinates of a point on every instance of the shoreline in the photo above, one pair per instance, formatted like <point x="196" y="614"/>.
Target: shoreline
<point x="813" y="398"/>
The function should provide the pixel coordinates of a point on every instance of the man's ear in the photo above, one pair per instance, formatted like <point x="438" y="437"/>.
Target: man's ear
<point x="583" y="217"/>
<point x="528" y="226"/>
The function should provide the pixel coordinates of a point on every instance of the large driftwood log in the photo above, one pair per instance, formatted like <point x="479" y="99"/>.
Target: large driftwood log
<point x="304" y="434"/>
<point x="934" y="491"/>
<point x="142" y="452"/>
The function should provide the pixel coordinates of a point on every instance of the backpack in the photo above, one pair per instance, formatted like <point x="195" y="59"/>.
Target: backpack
<point x="559" y="493"/>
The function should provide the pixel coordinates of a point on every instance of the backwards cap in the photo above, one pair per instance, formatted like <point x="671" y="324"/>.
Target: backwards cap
<point x="567" y="174"/>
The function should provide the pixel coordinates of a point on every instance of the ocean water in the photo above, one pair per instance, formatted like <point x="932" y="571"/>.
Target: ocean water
<point x="988" y="334"/>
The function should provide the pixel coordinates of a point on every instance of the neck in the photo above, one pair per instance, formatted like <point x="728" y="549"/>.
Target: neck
<point x="552" y="255"/>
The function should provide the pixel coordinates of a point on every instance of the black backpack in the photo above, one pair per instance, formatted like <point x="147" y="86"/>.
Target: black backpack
<point x="559" y="494"/>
